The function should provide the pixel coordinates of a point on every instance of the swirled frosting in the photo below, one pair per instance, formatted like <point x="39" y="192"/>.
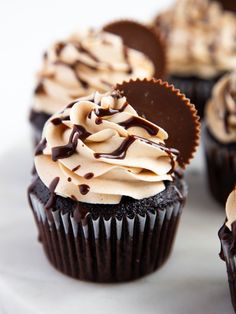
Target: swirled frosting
<point x="231" y="209"/>
<point x="99" y="149"/>
<point x="221" y="110"/>
<point x="82" y="64"/>
<point x="201" y="38"/>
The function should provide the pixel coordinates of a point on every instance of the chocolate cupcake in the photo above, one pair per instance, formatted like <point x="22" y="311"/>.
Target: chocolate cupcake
<point x="227" y="235"/>
<point x="107" y="194"/>
<point x="94" y="61"/>
<point x="219" y="137"/>
<point x="201" y="46"/>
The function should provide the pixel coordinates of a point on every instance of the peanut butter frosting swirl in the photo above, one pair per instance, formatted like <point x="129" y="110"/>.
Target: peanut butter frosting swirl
<point x="221" y="110"/>
<point x="231" y="209"/>
<point x="201" y="38"/>
<point x="85" y="63"/>
<point x="98" y="150"/>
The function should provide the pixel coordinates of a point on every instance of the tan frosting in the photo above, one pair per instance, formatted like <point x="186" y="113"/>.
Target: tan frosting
<point x="231" y="209"/>
<point x="201" y="38"/>
<point x="139" y="174"/>
<point x="221" y="110"/>
<point x="82" y="64"/>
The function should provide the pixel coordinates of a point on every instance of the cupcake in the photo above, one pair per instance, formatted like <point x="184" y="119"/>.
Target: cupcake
<point x="220" y="138"/>
<point x="227" y="236"/>
<point x="201" y="46"/>
<point x="94" y="61"/>
<point x="107" y="193"/>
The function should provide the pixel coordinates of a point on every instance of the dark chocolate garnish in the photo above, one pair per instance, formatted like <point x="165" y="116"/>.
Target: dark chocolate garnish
<point x="165" y="106"/>
<point x="60" y="152"/>
<point x="139" y="122"/>
<point x="142" y="38"/>
<point x="84" y="189"/>
<point x="52" y="188"/>
<point x="40" y="147"/>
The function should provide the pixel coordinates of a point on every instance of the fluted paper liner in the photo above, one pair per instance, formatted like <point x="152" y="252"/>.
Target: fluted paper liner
<point x="230" y="260"/>
<point x="167" y="107"/>
<point x="144" y="39"/>
<point x="100" y="250"/>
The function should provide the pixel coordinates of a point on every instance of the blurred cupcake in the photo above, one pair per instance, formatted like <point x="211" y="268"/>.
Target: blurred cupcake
<point x="227" y="235"/>
<point x="201" y="46"/>
<point x="220" y="138"/>
<point x="94" y="61"/>
<point x="107" y="194"/>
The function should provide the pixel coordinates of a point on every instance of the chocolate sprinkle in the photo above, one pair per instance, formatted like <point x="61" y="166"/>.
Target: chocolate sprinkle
<point x="84" y="189"/>
<point x="89" y="175"/>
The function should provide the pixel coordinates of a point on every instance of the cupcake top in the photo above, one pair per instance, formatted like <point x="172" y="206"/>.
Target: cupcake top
<point x="221" y="110"/>
<point x="84" y="63"/>
<point x="201" y="38"/>
<point x="99" y="149"/>
<point x="231" y="209"/>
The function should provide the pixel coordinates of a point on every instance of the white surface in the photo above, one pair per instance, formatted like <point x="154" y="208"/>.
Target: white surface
<point x="193" y="281"/>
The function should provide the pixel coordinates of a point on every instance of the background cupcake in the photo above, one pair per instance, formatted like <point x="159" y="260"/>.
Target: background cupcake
<point x="94" y="61"/>
<point x="107" y="196"/>
<point x="201" y="45"/>
<point x="227" y="236"/>
<point x="220" y="138"/>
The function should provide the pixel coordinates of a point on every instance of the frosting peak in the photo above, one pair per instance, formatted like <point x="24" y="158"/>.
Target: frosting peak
<point x="231" y="209"/>
<point x="84" y="63"/>
<point x="100" y="149"/>
<point x="221" y="110"/>
<point x="201" y="38"/>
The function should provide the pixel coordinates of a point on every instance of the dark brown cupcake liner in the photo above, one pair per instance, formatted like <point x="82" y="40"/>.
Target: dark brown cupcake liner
<point x="221" y="166"/>
<point x="225" y="236"/>
<point x="196" y="89"/>
<point x="107" y="250"/>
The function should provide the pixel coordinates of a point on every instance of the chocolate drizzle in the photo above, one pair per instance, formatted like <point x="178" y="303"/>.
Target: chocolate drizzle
<point x="58" y="121"/>
<point x="121" y="151"/>
<point x="75" y="168"/>
<point x="151" y="128"/>
<point x="81" y="49"/>
<point x="40" y="147"/>
<point x="60" y="152"/>
<point x="84" y="189"/>
<point x="52" y="188"/>
<point x="103" y="112"/>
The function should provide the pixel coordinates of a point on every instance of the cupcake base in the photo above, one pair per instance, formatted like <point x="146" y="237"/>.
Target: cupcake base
<point x="228" y="254"/>
<point x="221" y="166"/>
<point x="37" y="121"/>
<point x="196" y="89"/>
<point x="103" y="245"/>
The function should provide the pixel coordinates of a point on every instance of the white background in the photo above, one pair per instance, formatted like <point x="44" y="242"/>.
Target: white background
<point x="193" y="281"/>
